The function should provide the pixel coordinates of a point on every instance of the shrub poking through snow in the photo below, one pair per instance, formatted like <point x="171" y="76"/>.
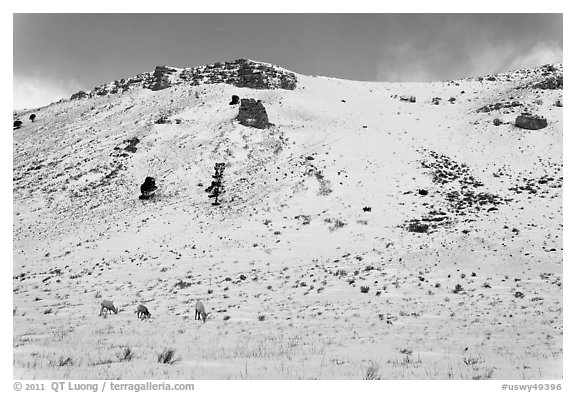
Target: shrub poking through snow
<point x="418" y="227"/>
<point x="167" y="356"/>
<point x="126" y="355"/>
<point x="372" y="372"/>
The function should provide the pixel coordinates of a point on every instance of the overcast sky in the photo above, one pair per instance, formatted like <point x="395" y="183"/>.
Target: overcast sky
<point x="56" y="55"/>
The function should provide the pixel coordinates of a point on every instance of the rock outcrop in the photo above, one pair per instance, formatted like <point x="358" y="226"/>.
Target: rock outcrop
<point x="240" y="73"/>
<point x="161" y="78"/>
<point x="551" y="83"/>
<point x="252" y="114"/>
<point x="79" y="95"/>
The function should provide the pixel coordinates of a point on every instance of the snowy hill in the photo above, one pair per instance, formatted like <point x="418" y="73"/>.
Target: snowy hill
<point x="359" y="231"/>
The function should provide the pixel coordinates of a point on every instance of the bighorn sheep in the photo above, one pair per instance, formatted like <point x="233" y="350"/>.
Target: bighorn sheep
<point x="200" y="312"/>
<point x="142" y="312"/>
<point x="107" y="305"/>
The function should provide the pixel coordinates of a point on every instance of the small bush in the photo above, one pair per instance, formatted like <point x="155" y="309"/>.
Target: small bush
<point x="167" y="356"/>
<point x="364" y="289"/>
<point x="182" y="284"/>
<point x="406" y="351"/>
<point x="418" y="227"/>
<point x="341" y="273"/>
<point x="470" y="361"/>
<point x="126" y="355"/>
<point x="261" y="318"/>
<point x="372" y="372"/>
<point x="62" y="362"/>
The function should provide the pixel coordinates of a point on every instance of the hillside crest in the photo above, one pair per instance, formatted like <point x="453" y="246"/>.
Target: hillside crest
<point x="241" y="73"/>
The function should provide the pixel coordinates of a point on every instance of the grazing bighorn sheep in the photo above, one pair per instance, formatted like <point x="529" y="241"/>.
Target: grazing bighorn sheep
<point x="107" y="305"/>
<point x="200" y="312"/>
<point x="142" y="312"/>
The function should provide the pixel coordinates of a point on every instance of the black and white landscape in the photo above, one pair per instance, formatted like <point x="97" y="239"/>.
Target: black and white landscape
<point x="362" y="230"/>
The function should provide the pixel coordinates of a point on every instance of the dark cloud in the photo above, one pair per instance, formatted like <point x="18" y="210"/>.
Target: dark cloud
<point x="437" y="47"/>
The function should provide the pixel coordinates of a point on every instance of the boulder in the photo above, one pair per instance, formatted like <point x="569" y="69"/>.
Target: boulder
<point x="531" y="122"/>
<point x="148" y="188"/>
<point x="235" y="100"/>
<point x="252" y="114"/>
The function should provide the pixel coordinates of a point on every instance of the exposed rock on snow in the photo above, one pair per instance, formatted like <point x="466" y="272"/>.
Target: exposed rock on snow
<point x="252" y="114"/>
<point x="79" y="95"/>
<point x="240" y="73"/>
<point x="148" y="188"/>
<point x="551" y="83"/>
<point x="161" y="78"/>
<point x="499" y="105"/>
<point x="235" y="100"/>
<point x="531" y="122"/>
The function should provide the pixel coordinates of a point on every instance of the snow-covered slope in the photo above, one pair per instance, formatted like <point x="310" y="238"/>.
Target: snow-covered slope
<point x="359" y="230"/>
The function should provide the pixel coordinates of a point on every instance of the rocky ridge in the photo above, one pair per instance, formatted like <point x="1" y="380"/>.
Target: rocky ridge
<point x="240" y="73"/>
